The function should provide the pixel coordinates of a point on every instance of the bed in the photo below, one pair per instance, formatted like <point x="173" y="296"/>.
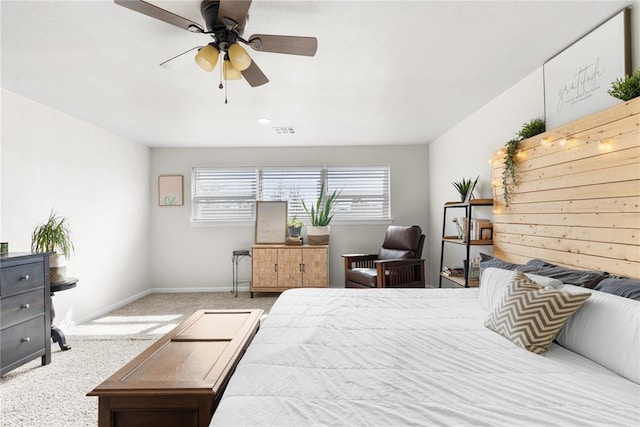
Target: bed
<point x="413" y="357"/>
<point x="425" y="357"/>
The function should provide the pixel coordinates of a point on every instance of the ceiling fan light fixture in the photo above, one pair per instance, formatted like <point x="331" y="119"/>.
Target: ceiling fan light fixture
<point x="207" y="57"/>
<point x="239" y="57"/>
<point x="229" y="72"/>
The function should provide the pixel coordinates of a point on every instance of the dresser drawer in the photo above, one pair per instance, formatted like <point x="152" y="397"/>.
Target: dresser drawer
<point x="21" y="307"/>
<point x="23" y="340"/>
<point x="20" y="278"/>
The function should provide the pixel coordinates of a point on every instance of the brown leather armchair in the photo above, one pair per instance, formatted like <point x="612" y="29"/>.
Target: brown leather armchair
<point x="398" y="264"/>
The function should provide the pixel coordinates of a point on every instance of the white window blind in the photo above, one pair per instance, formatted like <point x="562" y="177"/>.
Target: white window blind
<point x="291" y="184"/>
<point x="364" y="191"/>
<point x="229" y="194"/>
<point x="223" y="194"/>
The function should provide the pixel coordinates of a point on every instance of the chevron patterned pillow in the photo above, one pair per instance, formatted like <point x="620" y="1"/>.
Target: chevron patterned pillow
<point x="531" y="315"/>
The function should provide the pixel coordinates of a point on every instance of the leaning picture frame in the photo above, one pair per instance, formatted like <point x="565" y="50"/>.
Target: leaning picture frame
<point x="271" y="222"/>
<point x="469" y="195"/>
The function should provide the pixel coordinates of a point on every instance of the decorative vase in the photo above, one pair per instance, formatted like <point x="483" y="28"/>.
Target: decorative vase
<point x="57" y="268"/>
<point x="318" y="235"/>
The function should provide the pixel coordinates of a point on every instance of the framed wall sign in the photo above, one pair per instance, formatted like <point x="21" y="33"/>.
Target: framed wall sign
<point x="170" y="190"/>
<point x="576" y="80"/>
<point x="271" y="222"/>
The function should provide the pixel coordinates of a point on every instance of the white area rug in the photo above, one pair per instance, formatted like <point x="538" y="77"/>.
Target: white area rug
<point x="55" y="395"/>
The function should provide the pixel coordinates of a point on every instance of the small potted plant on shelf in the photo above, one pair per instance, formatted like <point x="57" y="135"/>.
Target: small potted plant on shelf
<point x="465" y="186"/>
<point x="295" y="226"/>
<point x="54" y="236"/>
<point x="320" y="215"/>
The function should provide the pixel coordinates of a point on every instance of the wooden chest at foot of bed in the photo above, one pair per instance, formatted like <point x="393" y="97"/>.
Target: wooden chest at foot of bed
<point x="179" y="380"/>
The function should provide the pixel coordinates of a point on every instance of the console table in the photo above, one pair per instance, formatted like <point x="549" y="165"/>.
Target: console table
<point x="178" y="380"/>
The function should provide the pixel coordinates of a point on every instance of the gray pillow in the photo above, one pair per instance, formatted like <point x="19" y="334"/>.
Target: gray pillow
<point x="585" y="278"/>
<point x="487" y="261"/>
<point x="628" y="288"/>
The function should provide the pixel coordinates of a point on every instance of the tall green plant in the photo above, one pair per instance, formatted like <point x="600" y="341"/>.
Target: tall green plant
<point x="321" y="212"/>
<point x="53" y="236"/>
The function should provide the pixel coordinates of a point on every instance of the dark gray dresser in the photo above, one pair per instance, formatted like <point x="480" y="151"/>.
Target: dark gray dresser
<point x="25" y="310"/>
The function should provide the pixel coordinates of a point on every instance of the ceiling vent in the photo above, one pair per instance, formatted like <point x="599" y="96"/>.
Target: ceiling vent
<point x="284" y="130"/>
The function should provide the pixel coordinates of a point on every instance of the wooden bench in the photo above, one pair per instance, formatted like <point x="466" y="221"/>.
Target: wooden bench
<point x="178" y="381"/>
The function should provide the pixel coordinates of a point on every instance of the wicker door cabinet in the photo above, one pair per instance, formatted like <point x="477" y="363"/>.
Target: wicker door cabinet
<point x="276" y="268"/>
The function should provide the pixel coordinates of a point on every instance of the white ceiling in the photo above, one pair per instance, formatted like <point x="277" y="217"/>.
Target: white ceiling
<point x="386" y="72"/>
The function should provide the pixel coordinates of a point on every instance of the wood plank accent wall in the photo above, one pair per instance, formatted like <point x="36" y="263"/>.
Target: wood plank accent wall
<point x="577" y="202"/>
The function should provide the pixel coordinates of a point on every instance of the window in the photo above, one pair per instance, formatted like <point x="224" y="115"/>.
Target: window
<point x="229" y="194"/>
<point x="223" y="194"/>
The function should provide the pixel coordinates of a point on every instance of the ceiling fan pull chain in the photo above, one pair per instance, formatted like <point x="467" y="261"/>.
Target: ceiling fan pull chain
<point x="220" y="69"/>
<point x="226" y="86"/>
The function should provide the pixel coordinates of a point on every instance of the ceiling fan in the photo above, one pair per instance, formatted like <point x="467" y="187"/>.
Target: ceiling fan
<point x="225" y="21"/>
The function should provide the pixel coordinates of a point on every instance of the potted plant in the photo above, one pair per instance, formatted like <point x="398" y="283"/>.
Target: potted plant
<point x="295" y="226"/>
<point x="54" y="236"/>
<point x="464" y="187"/>
<point x="627" y="88"/>
<point x="320" y="214"/>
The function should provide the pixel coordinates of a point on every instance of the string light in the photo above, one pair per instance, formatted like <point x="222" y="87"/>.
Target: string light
<point x="604" y="145"/>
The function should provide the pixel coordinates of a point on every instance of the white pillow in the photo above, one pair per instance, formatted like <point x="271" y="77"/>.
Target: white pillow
<point x="606" y="329"/>
<point x="494" y="281"/>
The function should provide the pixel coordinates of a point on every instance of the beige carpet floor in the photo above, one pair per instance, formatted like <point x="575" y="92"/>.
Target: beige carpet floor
<point x="55" y="395"/>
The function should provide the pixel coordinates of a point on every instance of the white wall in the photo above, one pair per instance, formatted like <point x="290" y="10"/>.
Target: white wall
<point x="98" y="180"/>
<point x="466" y="149"/>
<point x="197" y="258"/>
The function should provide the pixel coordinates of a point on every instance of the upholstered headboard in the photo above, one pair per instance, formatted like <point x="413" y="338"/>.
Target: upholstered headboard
<point x="577" y="202"/>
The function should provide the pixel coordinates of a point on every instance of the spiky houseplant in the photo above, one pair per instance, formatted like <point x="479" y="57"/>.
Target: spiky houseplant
<point x="54" y="236"/>
<point x="626" y="88"/>
<point x="320" y="215"/>
<point x="321" y="212"/>
<point x="463" y="187"/>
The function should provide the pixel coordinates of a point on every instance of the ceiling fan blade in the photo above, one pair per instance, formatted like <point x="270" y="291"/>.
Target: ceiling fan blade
<point x="292" y="45"/>
<point x="160" y="14"/>
<point x="180" y="61"/>
<point x="237" y="10"/>
<point x="254" y="75"/>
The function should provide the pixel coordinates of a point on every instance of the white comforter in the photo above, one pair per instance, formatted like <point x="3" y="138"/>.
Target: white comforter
<point x="410" y="357"/>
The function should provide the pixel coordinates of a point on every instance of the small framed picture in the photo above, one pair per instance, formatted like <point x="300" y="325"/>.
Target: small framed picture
<point x="170" y="190"/>
<point x="486" y="232"/>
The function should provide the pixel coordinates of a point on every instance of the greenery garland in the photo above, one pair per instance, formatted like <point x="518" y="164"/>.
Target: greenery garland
<point x="509" y="179"/>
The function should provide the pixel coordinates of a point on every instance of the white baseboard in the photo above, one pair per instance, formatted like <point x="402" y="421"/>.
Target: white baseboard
<point x="67" y="323"/>
<point x="183" y="290"/>
<point x="108" y="309"/>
